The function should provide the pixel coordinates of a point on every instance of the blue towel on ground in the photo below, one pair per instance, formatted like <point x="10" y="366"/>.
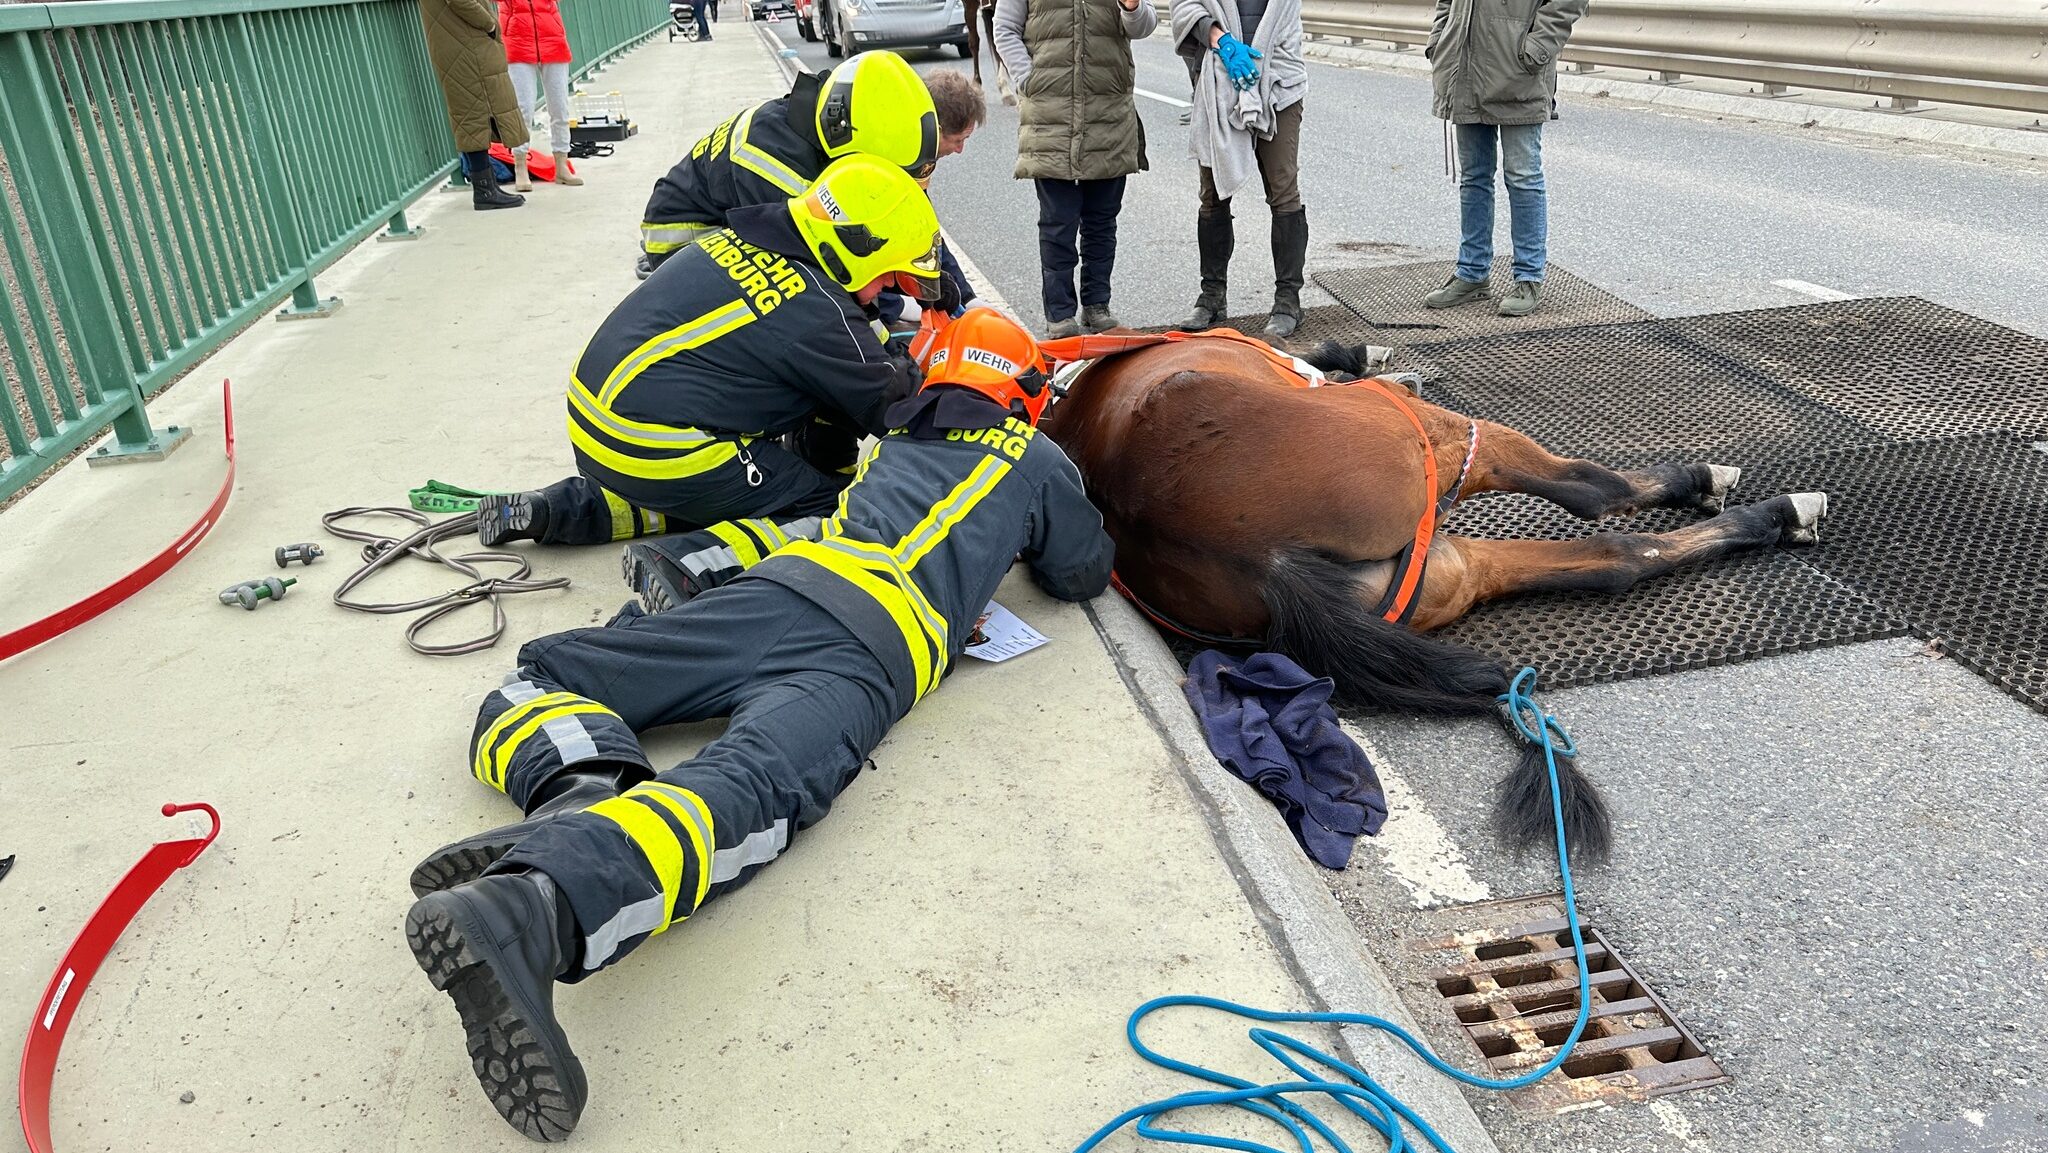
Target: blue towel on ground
<point x="1271" y="723"/>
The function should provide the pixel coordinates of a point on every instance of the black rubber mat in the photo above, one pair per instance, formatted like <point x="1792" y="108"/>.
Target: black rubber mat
<point x="1631" y="394"/>
<point x="1950" y="533"/>
<point x="1902" y="366"/>
<point x="1740" y="608"/>
<point x="1388" y="299"/>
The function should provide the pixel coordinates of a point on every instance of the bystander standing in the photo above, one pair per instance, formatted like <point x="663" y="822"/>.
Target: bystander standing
<point x="537" y="52"/>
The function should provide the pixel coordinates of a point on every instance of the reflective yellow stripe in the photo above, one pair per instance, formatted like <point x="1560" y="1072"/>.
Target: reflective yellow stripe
<point x="480" y="755"/>
<point x="621" y="514"/>
<point x="652" y="523"/>
<point x="501" y="761"/>
<point x="949" y="512"/>
<point x="761" y="164"/>
<point x="769" y="532"/>
<point x="689" y="334"/>
<point x="830" y="528"/>
<point x="878" y="560"/>
<point x="742" y="545"/>
<point x="669" y="237"/>
<point x="669" y="468"/>
<point x="658" y="843"/>
<point x="683" y="803"/>
<point x="893" y="600"/>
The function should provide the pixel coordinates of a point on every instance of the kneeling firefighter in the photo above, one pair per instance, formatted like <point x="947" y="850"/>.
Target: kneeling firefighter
<point x="756" y="330"/>
<point x="814" y="652"/>
<point x="873" y="104"/>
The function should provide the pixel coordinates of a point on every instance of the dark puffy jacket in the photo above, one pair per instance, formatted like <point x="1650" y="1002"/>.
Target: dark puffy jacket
<point x="471" y="66"/>
<point x="533" y="32"/>
<point x="1496" y="60"/>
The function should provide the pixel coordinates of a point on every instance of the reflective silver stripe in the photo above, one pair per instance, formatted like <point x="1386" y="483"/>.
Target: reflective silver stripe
<point x="572" y="740"/>
<point x="758" y="849"/>
<point x="710" y="560"/>
<point x="767" y="167"/>
<point x="598" y="414"/>
<point x="631" y="921"/>
<point x="516" y="690"/>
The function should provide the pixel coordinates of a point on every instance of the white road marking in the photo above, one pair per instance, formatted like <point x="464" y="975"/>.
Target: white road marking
<point x="1671" y="1120"/>
<point x="985" y="289"/>
<point x="1817" y="291"/>
<point x="1417" y="851"/>
<point x="1176" y="101"/>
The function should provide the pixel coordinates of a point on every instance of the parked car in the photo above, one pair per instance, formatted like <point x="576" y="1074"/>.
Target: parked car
<point x="771" y="9"/>
<point x="849" y="26"/>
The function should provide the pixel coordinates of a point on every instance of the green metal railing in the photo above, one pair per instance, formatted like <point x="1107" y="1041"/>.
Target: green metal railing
<point x="173" y="169"/>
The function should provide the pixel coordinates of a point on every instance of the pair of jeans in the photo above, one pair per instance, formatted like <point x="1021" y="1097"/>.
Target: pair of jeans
<point x="1068" y="209"/>
<point x="527" y="81"/>
<point x="1516" y="150"/>
<point x="699" y="8"/>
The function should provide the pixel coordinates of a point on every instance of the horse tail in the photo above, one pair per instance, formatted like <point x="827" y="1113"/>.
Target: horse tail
<point x="1320" y="619"/>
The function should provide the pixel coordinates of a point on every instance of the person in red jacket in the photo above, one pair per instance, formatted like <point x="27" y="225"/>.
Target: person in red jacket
<point x="537" y="49"/>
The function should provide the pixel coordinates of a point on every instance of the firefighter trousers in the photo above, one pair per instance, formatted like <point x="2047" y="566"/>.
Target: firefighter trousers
<point x="800" y="475"/>
<point x="808" y="702"/>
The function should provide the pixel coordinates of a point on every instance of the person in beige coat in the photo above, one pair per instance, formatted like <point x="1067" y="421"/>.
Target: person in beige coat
<point x="462" y="41"/>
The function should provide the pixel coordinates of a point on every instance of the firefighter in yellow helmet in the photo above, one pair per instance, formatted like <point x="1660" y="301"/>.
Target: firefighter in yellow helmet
<point x="813" y="652"/>
<point x="755" y="330"/>
<point x="873" y="103"/>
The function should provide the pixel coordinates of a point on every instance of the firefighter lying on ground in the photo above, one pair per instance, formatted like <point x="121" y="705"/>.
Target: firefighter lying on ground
<point x="756" y="330"/>
<point x="814" y="653"/>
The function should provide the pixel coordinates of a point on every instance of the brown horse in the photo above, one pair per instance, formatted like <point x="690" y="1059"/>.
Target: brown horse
<point x="981" y="24"/>
<point x="1244" y="506"/>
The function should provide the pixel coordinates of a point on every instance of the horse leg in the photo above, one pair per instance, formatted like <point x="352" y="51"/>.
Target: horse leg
<point x="1464" y="571"/>
<point x="988" y="19"/>
<point x="1508" y="461"/>
<point x="974" y="8"/>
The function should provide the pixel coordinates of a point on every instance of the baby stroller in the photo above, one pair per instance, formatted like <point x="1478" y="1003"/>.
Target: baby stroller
<point x="682" y="20"/>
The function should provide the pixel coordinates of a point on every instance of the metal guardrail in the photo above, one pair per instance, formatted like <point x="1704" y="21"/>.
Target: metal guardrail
<point x="1990" y="53"/>
<point x="174" y="169"/>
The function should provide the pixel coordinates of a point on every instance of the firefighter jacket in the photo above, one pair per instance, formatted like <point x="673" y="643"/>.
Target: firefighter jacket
<point x="927" y="529"/>
<point x="734" y="338"/>
<point x="768" y="153"/>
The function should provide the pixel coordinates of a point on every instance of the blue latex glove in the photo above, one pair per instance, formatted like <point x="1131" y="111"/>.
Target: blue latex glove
<point x="1239" y="59"/>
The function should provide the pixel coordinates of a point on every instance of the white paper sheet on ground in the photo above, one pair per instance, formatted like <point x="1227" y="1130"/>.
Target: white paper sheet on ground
<point x="1000" y="635"/>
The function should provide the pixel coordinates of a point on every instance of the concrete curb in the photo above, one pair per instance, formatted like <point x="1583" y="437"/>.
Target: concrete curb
<point x="1310" y="931"/>
<point x="1982" y="137"/>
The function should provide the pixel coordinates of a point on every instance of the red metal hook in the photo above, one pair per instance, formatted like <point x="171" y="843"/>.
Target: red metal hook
<point x="95" y="941"/>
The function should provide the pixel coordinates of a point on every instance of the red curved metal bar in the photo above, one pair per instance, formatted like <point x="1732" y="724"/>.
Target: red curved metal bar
<point x="66" y="619"/>
<point x="95" y="941"/>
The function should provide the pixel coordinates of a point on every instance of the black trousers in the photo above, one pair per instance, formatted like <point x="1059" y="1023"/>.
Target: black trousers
<point x="1069" y="210"/>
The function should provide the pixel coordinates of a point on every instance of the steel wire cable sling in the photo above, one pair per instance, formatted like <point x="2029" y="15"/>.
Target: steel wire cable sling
<point x="380" y="552"/>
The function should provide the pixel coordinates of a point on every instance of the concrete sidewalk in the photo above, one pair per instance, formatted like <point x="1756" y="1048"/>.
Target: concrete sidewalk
<point x="946" y="963"/>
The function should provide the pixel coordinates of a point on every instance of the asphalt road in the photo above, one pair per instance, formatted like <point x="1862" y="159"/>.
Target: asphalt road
<point x="1829" y="862"/>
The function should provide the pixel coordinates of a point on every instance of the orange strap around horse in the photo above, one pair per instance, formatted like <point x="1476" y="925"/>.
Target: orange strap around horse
<point x="1400" y="600"/>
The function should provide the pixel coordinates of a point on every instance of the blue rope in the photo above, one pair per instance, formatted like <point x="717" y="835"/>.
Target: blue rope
<point x="1357" y="1092"/>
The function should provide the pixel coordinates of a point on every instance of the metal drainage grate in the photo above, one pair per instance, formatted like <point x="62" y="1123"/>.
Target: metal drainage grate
<point x="1948" y="533"/>
<point x="1514" y="989"/>
<point x="1389" y="299"/>
<point x="1900" y="365"/>
<point x="1736" y="609"/>
<point x="1631" y="394"/>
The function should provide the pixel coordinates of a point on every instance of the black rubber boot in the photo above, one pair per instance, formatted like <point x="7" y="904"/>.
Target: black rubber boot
<point x="485" y="194"/>
<point x="1290" y="257"/>
<point x="1214" y="239"/>
<point x="495" y="946"/>
<point x="502" y="519"/>
<point x="465" y="860"/>
<point x="655" y="578"/>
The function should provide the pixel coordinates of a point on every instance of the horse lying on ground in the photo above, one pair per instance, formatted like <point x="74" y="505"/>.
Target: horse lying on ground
<point x="1247" y="508"/>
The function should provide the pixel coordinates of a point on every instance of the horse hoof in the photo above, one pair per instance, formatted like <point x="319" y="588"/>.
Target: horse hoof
<point x="1721" y="480"/>
<point x="1808" y="510"/>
